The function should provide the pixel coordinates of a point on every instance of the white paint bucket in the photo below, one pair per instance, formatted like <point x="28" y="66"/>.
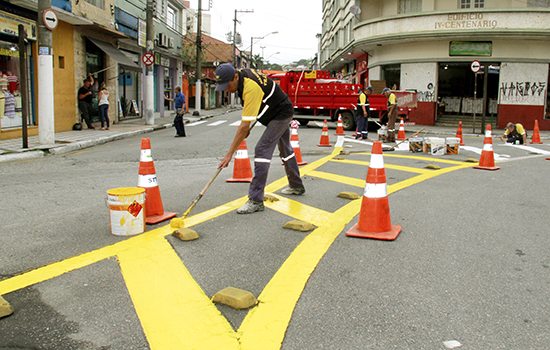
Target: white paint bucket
<point x="126" y="210"/>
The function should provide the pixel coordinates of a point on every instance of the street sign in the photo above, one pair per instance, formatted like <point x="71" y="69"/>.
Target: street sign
<point x="50" y="19"/>
<point x="148" y="59"/>
<point x="475" y="66"/>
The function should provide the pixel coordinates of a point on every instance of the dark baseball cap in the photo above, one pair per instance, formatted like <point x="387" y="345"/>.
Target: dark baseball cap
<point x="224" y="75"/>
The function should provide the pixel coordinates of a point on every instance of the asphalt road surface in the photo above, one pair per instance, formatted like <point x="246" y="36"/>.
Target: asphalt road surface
<point x="471" y="266"/>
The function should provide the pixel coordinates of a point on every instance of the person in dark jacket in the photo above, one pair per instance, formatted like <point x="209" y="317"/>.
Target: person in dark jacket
<point x="263" y="101"/>
<point x="363" y="113"/>
<point x="85" y="98"/>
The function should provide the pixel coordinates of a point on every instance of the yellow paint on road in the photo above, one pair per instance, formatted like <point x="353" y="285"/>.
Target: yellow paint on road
<point x="174" y="311"/>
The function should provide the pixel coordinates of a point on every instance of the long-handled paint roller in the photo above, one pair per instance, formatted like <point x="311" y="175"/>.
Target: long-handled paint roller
<point x="203" y="191"/>
<point x="397" y="144"/>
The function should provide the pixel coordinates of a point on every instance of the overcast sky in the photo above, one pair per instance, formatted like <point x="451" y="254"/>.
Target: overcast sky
<point x="297" y="21"/>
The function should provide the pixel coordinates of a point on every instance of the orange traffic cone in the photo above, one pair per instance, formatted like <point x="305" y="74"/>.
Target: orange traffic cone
<point x="147" y="179"/>
<point x="339" y="126"/>
<point x="487" y="160"/>
<point x="324" y="136"/>
<point x="374" y="218"/>
<point x="536" y="133"/>
<point x="401" y="133"/>
<point x="242" y="172"/>
<point x="295" y="142"/>
<point x="459" y="133"/>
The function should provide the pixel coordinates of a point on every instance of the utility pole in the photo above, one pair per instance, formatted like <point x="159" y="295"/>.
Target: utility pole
<point x="198" y="72"/>
<point x="23" y="82"/>
<point x="46" y="124"/>
<point x="149" y="77"/>
<point x="235" y="35"/>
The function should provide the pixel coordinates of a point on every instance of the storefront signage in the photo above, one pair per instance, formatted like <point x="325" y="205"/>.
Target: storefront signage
<point x="470" y="48"/>
<point x="142" y="33"/>
<point x="465" y="21"/>
<point x="9" y="25"/>
<point x="164" y="61"/>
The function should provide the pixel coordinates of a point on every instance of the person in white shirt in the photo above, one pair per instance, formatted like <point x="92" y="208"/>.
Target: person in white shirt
<point x="103" y="97"/>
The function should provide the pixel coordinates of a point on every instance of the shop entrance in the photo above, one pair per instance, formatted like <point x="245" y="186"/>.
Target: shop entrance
<point x="95" y="62"/>
<point x="457" y="95"/>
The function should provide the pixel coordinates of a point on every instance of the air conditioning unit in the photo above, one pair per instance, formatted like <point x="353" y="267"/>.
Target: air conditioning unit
<point x="171" y="42"/>
<point x="163" y="40"/>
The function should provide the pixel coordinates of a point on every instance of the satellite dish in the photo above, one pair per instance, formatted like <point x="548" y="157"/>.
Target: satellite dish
<point x="355" y="10"/>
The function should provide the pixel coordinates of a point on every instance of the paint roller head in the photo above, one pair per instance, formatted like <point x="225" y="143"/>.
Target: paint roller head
<point x="177" y="223"/>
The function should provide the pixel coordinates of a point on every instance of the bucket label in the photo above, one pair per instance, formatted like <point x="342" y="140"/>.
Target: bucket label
<point x="135" y="209"/>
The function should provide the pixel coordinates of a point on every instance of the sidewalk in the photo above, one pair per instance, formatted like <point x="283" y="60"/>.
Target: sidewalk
<point x="70" y="141"/>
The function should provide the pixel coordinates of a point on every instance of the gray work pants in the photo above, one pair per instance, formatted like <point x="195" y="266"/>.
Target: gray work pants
<point x="277" y="133"/>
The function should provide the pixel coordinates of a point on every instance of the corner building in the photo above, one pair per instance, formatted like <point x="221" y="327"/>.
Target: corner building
<point x="429" y="46"/>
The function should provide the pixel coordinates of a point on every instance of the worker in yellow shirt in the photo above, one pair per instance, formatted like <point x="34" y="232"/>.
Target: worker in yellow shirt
<point x="514" y="133"/>
<point x="263" y="101"/>
<point x="392" y="113"/>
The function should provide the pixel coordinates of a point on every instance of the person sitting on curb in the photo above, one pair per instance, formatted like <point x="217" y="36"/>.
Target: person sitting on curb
<point x="513" y="133"/>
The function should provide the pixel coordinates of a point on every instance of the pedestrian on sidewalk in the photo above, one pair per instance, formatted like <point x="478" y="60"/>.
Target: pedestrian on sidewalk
<point x="103" y="97"/>
<point x="179" y="104"/>
<point x="265" y="102"/>
<point x="85" y="98"/>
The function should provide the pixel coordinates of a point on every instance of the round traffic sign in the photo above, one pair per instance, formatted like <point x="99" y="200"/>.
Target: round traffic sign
<point x="148" y="59"/>
<point x="50" y="19"/>
<point x="475" y="66"/>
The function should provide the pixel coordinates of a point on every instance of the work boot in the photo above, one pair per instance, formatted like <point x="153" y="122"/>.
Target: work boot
<point x="297" y="191"/>
<point x="251" y="207"/>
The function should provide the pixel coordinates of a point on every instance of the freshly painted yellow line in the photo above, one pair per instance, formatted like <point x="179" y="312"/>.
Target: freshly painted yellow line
<point x="407" y="169"/>
<point x="338" y="178"/>
<point x="174" y="311"/>
<point x="300" y="211"/>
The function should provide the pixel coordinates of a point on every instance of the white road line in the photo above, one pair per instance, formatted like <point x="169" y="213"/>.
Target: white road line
<point x="528" y="149"/>
<point x="498" y="157"/>
<point x="237" y="123"/>
<point x="217" y="123"/>
<point x="196" y="123"/>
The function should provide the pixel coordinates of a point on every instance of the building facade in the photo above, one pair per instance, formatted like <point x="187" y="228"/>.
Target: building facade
<point x="430" y="46"/>
<point x="103" y="37"/>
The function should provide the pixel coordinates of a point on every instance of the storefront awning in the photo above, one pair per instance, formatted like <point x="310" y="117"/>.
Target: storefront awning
<point x="116" y="55"/>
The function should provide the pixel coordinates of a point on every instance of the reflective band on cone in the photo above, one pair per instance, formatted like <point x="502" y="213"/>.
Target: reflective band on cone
<point x="324" y="136"/>
<point x="147" y="179"/>
<point x="242" y="172"/>
<point x="374" y="217"/>
<point x="487" y="159"/>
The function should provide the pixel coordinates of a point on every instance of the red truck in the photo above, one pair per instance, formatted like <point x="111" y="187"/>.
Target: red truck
<point x="317" y="96"/>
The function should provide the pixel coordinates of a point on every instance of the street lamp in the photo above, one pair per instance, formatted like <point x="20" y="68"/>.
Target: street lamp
<point x="276" y="53"/>
<point x="259" y="38"/>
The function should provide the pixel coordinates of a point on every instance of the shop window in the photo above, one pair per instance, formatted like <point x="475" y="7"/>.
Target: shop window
<point x="408" y="6"/>
<point x="10" y="96"/>
<point x="538" y="3"/>
<point x="392" y="75"/>
<point x="96" y="3"/>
